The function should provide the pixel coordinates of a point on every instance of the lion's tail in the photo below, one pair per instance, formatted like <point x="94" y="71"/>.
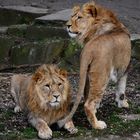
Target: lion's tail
<point x="82" y="82"/>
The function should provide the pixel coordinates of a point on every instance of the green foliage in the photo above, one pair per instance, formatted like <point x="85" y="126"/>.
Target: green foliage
<point x="73" y="47"/>
<point x="29" y="133"/>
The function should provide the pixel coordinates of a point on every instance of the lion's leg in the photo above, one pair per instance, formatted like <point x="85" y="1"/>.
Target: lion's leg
<point x="44" y="132"/>
<point x="90" y="109"/>
<point x="120" y="93"/>
<point x="69" y="126"/>
<point x="97" y="86"/>
<point x="16" y="98"/>
<point x="86" y="90"/>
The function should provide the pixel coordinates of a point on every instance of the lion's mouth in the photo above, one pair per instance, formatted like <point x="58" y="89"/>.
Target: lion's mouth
<point x="56" y="103"/>
<point x="72" y="34"/>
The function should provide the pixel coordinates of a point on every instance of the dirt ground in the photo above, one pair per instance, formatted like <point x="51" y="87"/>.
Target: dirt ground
<point x="17" y="125"/>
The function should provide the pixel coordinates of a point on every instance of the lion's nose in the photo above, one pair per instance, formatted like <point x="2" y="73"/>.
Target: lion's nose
<point x="56" y="96"/>
<point x="68" y="26"/>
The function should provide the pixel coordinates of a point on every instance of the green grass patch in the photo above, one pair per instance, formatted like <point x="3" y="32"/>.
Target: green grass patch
<point x="1" y="126"/>
<point x="138" y="87"/>
<point x="29" y="133"/>
<point x="5" y="115"/>
<point x="117" y="126"/>
<point x="136" y="110"/>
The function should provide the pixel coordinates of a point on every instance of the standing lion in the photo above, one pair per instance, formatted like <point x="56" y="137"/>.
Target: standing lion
<point x="105" y="56"/>
<point x="45" y="96"/>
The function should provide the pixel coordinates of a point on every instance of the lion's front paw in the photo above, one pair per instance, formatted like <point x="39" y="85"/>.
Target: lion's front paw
<point x="73" y="130"/>
<point x="45" y="134"/>
<point x="100" y="125"/>
<point x="70" y="127"/>
<point x="123" y="103"/>
<point x="17" y="109"/>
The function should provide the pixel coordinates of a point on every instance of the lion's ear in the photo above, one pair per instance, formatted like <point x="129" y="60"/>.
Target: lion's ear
<point x="75" y="9"/>
<point x="37" y="76"/>
<point x="90" y="9"/>
<point x="63" y="72"/>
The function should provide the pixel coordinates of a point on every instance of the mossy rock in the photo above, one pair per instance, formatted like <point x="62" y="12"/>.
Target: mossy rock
<point x="71" y="56"/>
<point x="37" y="32"/>
<point x="37" y="52"/>
<point x="6" y="44"/>
<point x="43" y="32"/>
<point x="17" y="30"/>
<point x="12" y="17"/>
<point x="136" y="49"/>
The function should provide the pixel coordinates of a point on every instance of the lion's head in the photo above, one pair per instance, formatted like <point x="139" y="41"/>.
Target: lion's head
<point x="91" y="20"/>
<point x="49" y="88"/>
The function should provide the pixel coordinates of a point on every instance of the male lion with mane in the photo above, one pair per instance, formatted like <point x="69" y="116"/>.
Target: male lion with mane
<point x="104" y="57"/>
<point x="45" y="96"/>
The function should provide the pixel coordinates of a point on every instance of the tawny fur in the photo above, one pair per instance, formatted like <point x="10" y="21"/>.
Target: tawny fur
<point x="45" y="97"/>
<point x="105" y="56"/>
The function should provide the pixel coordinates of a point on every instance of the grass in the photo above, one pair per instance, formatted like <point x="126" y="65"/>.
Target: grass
<point x="5" y="115"/>
<point x="116" y="125"/>
<point x="137" y="110"/>
<point x="137" y="87"/>
<point x="29" y="133"/>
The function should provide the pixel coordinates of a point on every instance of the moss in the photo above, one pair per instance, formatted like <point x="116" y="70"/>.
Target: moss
<point x="5" y="45"/>
<point x="73" y="47"/>
<point x="9" y="136"/>
<point x="122" y="127"/>
<point x="137" y="87"/>
<point x="1" y="126"/>
<point x="71" y="56"/>
<point x="136" y="49"/>
<point x="17" y="30"/>
<point x="29" y="133"/>
<point x="6" y="115"/>
<point x="136" y="110"/>
<point x="116" y="126"/>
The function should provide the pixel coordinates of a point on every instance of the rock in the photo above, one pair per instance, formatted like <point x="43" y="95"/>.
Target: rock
<point x="11" y="15"/>
<point x="3" y="30"/>
<point x="26" y="9"/>
<point x="34" y="4"/>
<point x="136" y="49"/>
<point x="42" y="32"/>
<point x="136" y="135"/>
<point x="17" y="30"/>
<point x="37" y="52"/>
<point x="6" y="44"/>
<point x="71" y="56"/>
<point x="63" y="16"/>
<point x="135" y="37"/>
<point x="130" y="117"/>
<point x="53" y="51"/>
<point x="37" y="32"/>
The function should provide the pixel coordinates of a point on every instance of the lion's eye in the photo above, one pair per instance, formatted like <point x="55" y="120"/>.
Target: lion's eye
<point x="47" y="85"/>
<point x="79" y="17"/>
<point x="59" y="84"/>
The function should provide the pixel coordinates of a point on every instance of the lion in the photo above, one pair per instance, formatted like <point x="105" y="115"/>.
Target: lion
<point x="45" y="96"/>
<point x="105" y="57"/>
